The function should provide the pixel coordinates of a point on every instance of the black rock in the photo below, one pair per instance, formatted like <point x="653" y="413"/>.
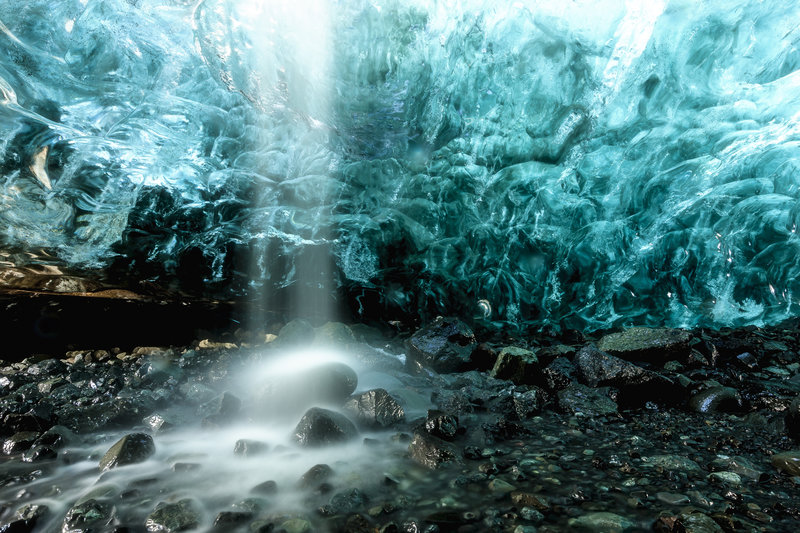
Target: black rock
<point x="25" y="519"/>
<point x="441" y="425"/>
<point x="346" y="501"/>
<point x="39" y="453"/>
<point x="445" y="345"/>
<point x="227" y="520"/>
<point x="267" y="487"/>
<point x="321" y="427"/>
<point x="636" y="385"/>
<point x="249" y="448"/>
<point x="558" y="374"/>
<point x="529" y="402"/>
<point x="130" y="449"/>
<point x="516" y="364"/>
<point x="431" y="451"/>
<point x="375" y="408"/>
<point x="169" y="517"/>
<point x="314" y="476"/>
<point x="19" y="442"/>
<point x="88" y="516"/>
<point x="793" y="419"/>
<point x="56" y="437"/>
<point x="716" y="400"/>
<point x="580" y="399"/>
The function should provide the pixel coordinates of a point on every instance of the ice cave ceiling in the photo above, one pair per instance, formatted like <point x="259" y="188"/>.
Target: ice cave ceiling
<point x="571" y="164"/>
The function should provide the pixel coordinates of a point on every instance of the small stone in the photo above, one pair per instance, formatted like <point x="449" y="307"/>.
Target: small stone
<point x="344" y="502"/>
<point x="730" y="479"/>
<point x="787" y="462"/>
<point x="530" y="514"/>
<point x="169" y="517"/>
<point x="231" y="519"/>
<point x="527" y="499"/>
<point x="296" y="525"/>
<point x="603" y="521"/>
<point x="25" y="519"/>
<point x="696" y="522"/>
<point x="674" y="463"/>
<point x="716" y="400"/>
<point x="672" y="499"/>
<point x="500" y="486"/>
<point x="322" y="427"/>
<point x="130" y="449"/>
<point x="39" y="453"/>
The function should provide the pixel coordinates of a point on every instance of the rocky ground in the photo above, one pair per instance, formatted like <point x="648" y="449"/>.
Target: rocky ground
<point x="637" y="430"/>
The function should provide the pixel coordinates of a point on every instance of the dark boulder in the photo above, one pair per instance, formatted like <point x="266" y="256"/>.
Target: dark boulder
<point x="375" y="408"/>
<point x="169" y="517"/>
<point x="24" y="519"/>
<point x="130" y="449"/>
<point x="88" y="516"/>
<point x="431" y="451"/>
<point x="441" y="425"/>
<point x="636" y="385"/>
<point x="716" y="399"/>
<point x="557" y="375"/>
<point x="19" y="442"/>
<point x="314" y="476"/>
<point x="516" y="364"/>
<point x="793" y="419"/>
<point x="445" y="345"/>
<point x="577" y="399"/>
<point x="249" y="448"/>
<point x="322" y="427"/>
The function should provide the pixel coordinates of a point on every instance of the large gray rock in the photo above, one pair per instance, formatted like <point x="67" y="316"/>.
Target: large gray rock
<point x="88" y="516"/>
<point x="656" y="345"/>
<point x="445" y="345"/>
<point x="375" y="408"/>
<point x="322" y="427"/>
<point x="130" y="449"/>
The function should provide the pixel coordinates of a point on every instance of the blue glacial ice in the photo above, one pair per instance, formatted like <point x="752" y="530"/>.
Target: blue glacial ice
<point x="578" y="164"/>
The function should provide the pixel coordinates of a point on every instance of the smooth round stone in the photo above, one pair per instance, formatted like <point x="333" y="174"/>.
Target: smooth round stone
<point x="731" y="479"/>
<point x="672" y="499"/>
<point x="788" y="462"/>
<point x="498" y="485"/>
<point x="607" y="522"/>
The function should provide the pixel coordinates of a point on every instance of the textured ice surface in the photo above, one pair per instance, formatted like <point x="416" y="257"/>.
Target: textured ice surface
<point x="584" y="163"/>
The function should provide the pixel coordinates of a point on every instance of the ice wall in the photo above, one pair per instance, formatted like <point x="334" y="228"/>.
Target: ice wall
<point x="582" y="164"/>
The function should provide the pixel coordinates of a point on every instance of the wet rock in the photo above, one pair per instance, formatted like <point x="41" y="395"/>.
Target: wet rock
<point x="25" y="519"/>
<point x="39" y="453"/>
<point x="220" y="410"/>
<point x="516" y="364"/>
<point x="296" y="525"/>
<point x="558" y="374"/>
<point x="158" y="423"/>
<point x="227" y="520"/>
<point x="169" y="517"/>
<point x="321" y="427"/>
<point x="130" y="449"/>
<point x="500" y="486"/>
<point x="344" y="502"/>
<point x="268" y="488"/>
<point x="19" y="442"/>
<point x="56" y="437"/>
<point x="249" y="448"/>
<point x="529" y="402"/>
<point x="787" y="462"/>
<point x="296" y="332"/>
<point x="375" y="408"/>
<point x="444" y="346"/>
<point x="579" y="399"/>
<point x="526" y="499"/>
<point x="691" y="522"/>
<point x="636" y="385"/>
<point x="441" y="425"/>
<point x="334" y="334"/>
<point x="655" y="345"/>
<point x="674" y="463"/>
<point x="727" y="479"/>
<point x="793" y="419"/>
<point x="739" y="465"/>
<point x="88" y="516"/>
<point x="716" y="400"/>
<point x="315" y="475"/>
<point x="603" y="521"/>
<point x="431" y="451"/>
